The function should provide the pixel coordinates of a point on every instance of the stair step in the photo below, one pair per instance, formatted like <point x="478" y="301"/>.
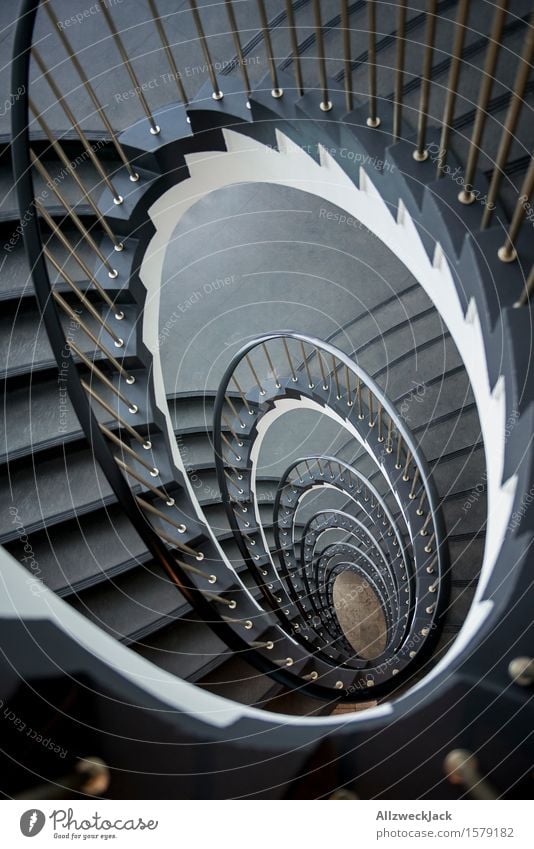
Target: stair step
<point x="51" y="492"/>
<point x="239" y="681"/>
<point x="187" y="648"/>
<point x="24" y="345"/>
<point x="134" y="605"/>
<point x="81" y="552"/>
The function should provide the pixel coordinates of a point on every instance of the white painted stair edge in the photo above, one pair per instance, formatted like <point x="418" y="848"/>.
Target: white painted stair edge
<point x="246" y="160"/>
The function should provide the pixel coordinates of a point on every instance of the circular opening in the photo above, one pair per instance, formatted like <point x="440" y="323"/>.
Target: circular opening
<point x="360" y="615"/>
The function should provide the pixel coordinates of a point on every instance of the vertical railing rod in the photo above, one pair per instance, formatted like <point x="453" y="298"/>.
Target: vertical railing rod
<point x="276" y="90"/>
<point x="67" y="309"/>
<point x="294" y="47"/>
<point x="132" y="408"/>
<point x="243" y="396"/>
<point x="347" y="60"/>
<point x="255" y="374"/>
<point x="109" y="409"/>
<point x="88" y="305"/>
<point x="102" y="292"/>
<point x="72" y="173"/>
<point x="399" y="70"/>
<point x="234" y="411"/>
<point x="373" y="120"/>
<point x="294" y="377"/>
<point x="154" y="129"/>
<point x="217" y="93"/>
<point x="134" y="176"/>
<point x="326" y="104"/>
<point x="112" y="272"/>
<point x="271" y="365"/>
<point x="306" y="366"/>
<point x="460" y="31"/>
<point x="420" y="153"/>
<point x="336" y="377"/>
<point x="237" y="45"/>
<point x="153" y="471"/>
<point x="510" y="124"/>
<point x="508" y="253"/>
<point x="488" y="74"/>
<point x="160" y="493"/>
<point x="527" y="291"/>
<point x="117" y="199"/>
<point x="323" y="373"/>
<point x="168" y="52"/>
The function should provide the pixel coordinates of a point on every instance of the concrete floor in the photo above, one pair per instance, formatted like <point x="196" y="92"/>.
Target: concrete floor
<point x="360" y="615"/>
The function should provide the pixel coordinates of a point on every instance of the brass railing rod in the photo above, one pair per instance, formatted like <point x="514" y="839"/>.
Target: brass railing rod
<point x="508" y="253"/>
<point x="242" y="394"/>
<point x="146" y="505"/>
<point x="399" y="70"/>
<point x="72" y="173"/>
<point x="510" y="123"/>
<point x="112" y="272"/>
<point x="109" y="409"/>
<point x="421" y="153"/>
<point x="264" y="21"/>
<point x="373" y="120"/>
<point x="107" y="354"/>
<point x="289" y="360"/>
<point x="347" y="69"/>
<point x="187" y="550"/>
<point x="154" y="472"/>
<point x="460" y="31"/>
<point x="294" y="46"/>
<point x="90" y="91"/>
<point x="232" y="431"/>
<point x="217" y="93"/>
<point x="132" y="408"/>
<point x="70" y="115"/>
<point x="237" y="44"/>
<point x="306" y="366"/>
<point x="86" y="302"/>
<point x="168" y="52"/>
<point x="102" y="292"/>
<point x="234" y="411"/>
<point x="230" y="446"/>
<point x="154" y="489"/>
<point x="488" y="74"/>
<point x="254" y="374"/>
<point x="154" y="129"/>
<point x="527" y="291"/>
<point x="325" y="104"/>
<point x="271" y="365"/>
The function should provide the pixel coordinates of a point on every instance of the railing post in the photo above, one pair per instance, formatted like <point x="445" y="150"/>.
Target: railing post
<point x="325" y="104"/>
<point x="420" y="153"/>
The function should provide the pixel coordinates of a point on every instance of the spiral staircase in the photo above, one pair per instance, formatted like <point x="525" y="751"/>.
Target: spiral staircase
<point x="267" y="499"/>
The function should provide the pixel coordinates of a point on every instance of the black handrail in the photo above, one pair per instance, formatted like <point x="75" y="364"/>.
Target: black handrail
<point x="318" y="344"/>
<point x="404" y="436"/>
<point x="284" y="481"/>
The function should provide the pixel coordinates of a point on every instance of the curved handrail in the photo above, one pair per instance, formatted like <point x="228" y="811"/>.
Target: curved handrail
<point x="420" y="460"/>
<point x="378" y="404"/>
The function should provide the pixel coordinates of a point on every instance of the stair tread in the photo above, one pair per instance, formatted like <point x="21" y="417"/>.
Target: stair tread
<point x="80" y="552"/>
<point x="239" y="681"/>
<point x="132" y="605"/>
<point x="51" y="491"/>
<point x="188" y="649"/>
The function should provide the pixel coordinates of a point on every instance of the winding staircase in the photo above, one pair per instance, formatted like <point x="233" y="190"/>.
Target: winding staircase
<point x="267" y="502"/>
